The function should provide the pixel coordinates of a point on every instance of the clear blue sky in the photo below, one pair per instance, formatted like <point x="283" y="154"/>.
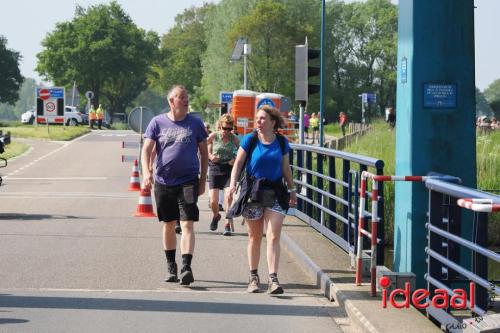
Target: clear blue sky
<point x="24" y="23"/>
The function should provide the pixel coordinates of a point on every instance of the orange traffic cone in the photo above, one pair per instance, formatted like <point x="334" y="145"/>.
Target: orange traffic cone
<point x="135" y="183"/>
<point x="145" y="205"/>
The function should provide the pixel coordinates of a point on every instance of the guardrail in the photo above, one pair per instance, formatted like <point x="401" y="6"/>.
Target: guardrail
<point x="457" y="250"/>
<point x="328" y="193"/>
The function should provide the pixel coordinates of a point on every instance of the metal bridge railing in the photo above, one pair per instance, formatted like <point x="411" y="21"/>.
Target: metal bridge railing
<point x="327" y="184"/>
<point x="457" y="251"/>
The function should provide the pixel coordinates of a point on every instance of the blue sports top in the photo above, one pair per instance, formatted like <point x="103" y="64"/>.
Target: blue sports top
<point x="266" y="159"/>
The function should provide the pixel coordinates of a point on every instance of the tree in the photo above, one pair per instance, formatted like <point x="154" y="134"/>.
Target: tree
<point x="361" y="49"/>
<point x="24" y="103"/>
<point x="483" y="108"/>
<point x="10" y="76"/>
<point x="181" y="50"/>
<point x="273" y="36"/>
<point x="218" y="73"/>
<point x="103" y="51"/>
<point x="492" y="94"/>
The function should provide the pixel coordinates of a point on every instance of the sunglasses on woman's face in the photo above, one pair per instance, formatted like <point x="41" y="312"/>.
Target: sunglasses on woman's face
<point x="227" y="128"/>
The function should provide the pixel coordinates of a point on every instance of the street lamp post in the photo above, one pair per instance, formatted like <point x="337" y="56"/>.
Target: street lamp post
<point x="322" y="76"/>
<point x="246" y="52"/>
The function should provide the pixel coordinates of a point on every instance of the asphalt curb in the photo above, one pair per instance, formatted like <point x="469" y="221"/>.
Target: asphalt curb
<point x="325" y="283"/>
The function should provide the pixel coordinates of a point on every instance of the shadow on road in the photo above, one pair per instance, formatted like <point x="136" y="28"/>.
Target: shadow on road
<point x="31" y="217"/>
<point x="127" y="304"/>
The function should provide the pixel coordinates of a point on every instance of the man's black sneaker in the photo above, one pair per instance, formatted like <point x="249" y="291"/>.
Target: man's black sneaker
<point x="186" y="276"/>
<point x="221" y="208"/>
<point x="227" y="230"/>
<point x="172" y="273"/>
<point x="215" y="222"/>
<point x="178" y="229"/>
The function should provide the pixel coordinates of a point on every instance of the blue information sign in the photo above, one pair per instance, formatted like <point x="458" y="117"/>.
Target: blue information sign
<point x="440" y="96"/>
<point x="369" y="98"/>
<point x="57" y="92"/>
<point x="54" y="92"/>
<point x="226" y="97"/>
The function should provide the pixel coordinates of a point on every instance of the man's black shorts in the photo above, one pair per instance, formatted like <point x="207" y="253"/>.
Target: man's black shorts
<point x="177" y="202"/>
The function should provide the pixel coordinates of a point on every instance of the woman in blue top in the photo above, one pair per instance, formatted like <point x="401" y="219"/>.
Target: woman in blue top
<point x="268" y="160"/>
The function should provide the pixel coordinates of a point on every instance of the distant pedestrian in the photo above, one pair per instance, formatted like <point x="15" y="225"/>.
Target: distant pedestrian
<point x="99" y="115"/>
<point x="306" y="125"/>
<point x="314" y="123"/>
<point x="92" y="117"/>
<point x="342" y="122"/>
<point x="179" y="178"/>
<point x="494" y="123"/>
<point x="391" y="118"/>
<point x="263" y="196"/>
<point x="222" y="148"/>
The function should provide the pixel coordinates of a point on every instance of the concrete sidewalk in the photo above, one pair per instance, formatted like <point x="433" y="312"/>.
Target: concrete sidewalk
<point x="329" y="265"/>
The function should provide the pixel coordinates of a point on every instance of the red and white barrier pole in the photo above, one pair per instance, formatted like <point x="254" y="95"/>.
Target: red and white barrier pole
<point x="479" y="205"/>
<point x="361" y="226"/>
<point x="374" y="228"/>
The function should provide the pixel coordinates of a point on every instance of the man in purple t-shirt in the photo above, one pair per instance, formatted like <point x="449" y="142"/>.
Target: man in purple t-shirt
<point x="176" y="137"/>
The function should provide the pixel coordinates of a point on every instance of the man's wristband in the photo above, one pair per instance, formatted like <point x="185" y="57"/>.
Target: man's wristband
<point x="290" y="190"/>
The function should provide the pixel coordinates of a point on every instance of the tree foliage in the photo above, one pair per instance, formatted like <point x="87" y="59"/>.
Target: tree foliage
<point x="24" y="103"/>
<point x="181" y="50"/>
<point x="218" y="73"/>
<point x="103" y="51"/>
<point x="361" y="54"/>
<point x="483" y="107"/>
<point x="492" y="94"/>
<point x="10" y="76"/>
<point x="272" y="33"/>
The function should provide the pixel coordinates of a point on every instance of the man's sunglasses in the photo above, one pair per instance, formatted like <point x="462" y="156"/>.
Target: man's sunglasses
<point x="227" y="128"/>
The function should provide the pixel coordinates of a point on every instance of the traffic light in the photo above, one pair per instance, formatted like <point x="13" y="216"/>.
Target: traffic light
<point x="303" y="71"/>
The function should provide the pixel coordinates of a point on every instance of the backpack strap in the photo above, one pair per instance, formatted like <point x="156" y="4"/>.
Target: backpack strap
<point x="253" y="144"/>
<point x="281" y="140"/>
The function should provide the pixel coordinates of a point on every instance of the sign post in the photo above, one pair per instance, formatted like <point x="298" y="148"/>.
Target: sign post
<point x="50" y="105"/>
<point x="89" y="94"/>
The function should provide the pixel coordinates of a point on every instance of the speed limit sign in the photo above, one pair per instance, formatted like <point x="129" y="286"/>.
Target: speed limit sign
<point x="50" y="107"/>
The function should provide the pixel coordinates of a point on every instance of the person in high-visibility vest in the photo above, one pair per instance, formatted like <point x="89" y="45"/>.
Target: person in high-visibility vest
<point x="100" y="115"/>
<point x="92" y="117"/>
<point x="314" y="124"/>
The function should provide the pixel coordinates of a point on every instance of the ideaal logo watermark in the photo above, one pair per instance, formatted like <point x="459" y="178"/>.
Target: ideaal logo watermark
<point x="440" y="300"/>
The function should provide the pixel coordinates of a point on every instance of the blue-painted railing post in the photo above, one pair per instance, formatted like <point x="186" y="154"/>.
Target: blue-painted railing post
<point x="332" y="203"/>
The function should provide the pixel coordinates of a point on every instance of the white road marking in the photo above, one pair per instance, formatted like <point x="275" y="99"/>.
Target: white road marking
<point x="159" y="290"/>
<point x="64" y="145"/>
<point x="55" y="178"/>
<point x="78" y="195"/>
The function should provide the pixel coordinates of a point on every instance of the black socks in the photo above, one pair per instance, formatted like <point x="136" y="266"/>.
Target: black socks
<point x="273" y="277"/>
<point x="186" y="259"/>
<point x="170" y="254"/>
<point x="253" y="272"/>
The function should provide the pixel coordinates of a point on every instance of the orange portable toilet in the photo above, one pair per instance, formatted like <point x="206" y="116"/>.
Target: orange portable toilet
<point x="271" y="99"/>
<point x="275" y="100"/>
<point x="243" y="110"/>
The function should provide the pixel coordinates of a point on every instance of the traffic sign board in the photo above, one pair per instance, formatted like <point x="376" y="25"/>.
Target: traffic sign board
<point x="50" y="107"/>
<point x="89" y="94"/>
<point x="44" y="94"/>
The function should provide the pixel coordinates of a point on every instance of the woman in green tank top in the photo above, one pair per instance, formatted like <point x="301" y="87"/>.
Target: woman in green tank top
<point x="222" y="148"/>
